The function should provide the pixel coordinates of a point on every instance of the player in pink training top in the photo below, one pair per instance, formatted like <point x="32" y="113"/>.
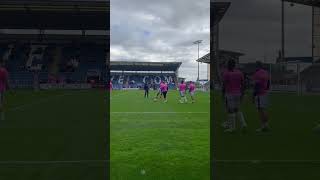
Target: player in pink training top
<point x="159" y="93"/>
<point x="192" y="90"/>
<point x="260" y="94"/>
<point x="182" y="92"/>
<point x="164" y="90"/>
<point x="233" y="90"/>
<point x="4" y="85"/>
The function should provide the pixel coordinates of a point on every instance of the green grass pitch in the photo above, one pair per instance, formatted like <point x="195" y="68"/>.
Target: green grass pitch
<point x="61" y="135"/>
<point x="159" y="141"/>
<point x="289" y="151"/>
<point x="53" y="135"/>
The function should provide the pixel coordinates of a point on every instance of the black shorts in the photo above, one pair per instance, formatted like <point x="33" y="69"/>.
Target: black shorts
<point x="164" y="93"/>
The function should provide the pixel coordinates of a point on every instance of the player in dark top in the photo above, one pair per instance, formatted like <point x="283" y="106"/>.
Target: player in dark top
<point x="146" y="90"/>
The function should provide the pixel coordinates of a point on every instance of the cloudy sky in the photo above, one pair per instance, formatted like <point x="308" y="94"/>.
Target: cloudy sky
<point x="161" y="30"/>
<point x="254" y="28"/>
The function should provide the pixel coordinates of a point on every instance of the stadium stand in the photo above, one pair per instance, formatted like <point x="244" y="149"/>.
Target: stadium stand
<point x="67" y="65"/>
<point x="135" y="74"/>
<point x="40" y="47"/>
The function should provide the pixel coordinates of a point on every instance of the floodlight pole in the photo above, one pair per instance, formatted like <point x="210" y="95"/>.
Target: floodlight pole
<point x="198" y="63"/>
<point x="198" y="42"/>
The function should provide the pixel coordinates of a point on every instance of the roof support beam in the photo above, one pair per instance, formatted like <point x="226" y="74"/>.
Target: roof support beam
<point x="306" y="2"/>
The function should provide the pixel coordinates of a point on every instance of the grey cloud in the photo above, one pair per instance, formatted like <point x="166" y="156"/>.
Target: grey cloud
<point x="144" y="30"/>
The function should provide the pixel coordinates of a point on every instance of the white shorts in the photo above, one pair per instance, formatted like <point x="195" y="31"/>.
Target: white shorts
<point x="192" y="93"/>
<point x="233" y="101"/>
<point x="261" y="101"/>
<point x="182" y="93"/>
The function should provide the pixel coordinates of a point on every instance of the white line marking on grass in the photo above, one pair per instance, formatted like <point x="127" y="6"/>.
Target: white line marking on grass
<point x="156" y="112"/>
<point x="52" y="162"/>
<point x="267" y="161"/>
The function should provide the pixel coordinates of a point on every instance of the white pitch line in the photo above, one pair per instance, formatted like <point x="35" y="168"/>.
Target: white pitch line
<point x="53" y="162"/>
<point x="156" y="112"/>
